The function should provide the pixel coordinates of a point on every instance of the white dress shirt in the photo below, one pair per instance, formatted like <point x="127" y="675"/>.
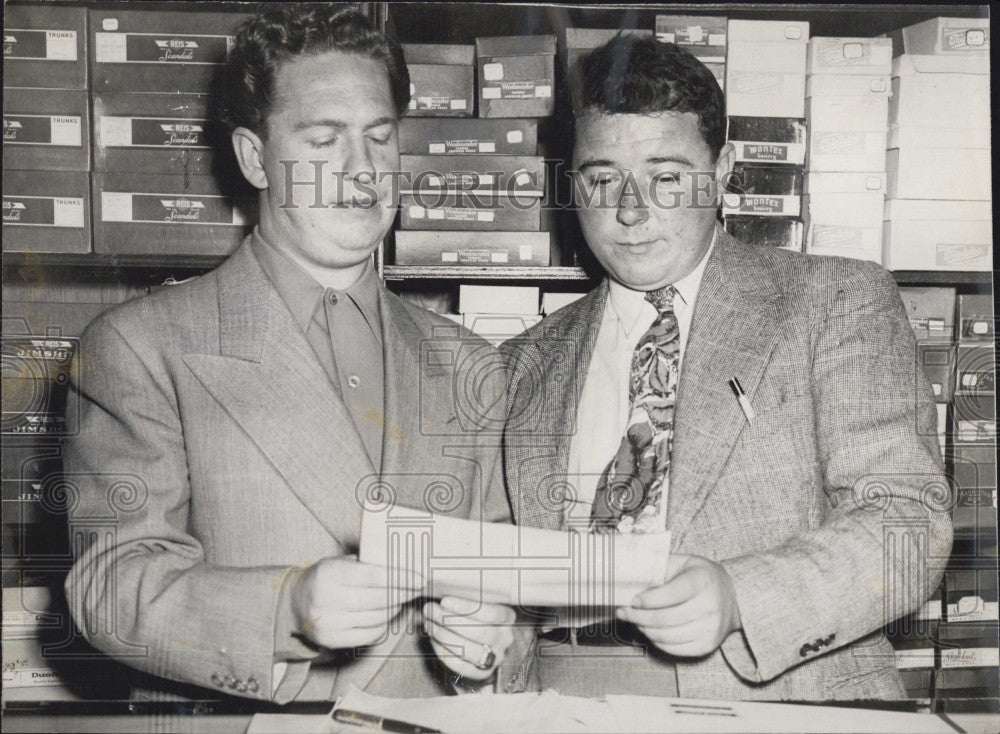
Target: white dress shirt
<point x="603" y="412"/>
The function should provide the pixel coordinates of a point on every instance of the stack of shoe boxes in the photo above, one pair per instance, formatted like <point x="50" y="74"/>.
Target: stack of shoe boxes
<point x="497" y="313"/>
<point x="703" y="36"/>
<point x="765" y="101"/>
<point x="471" y="189"/>
<point x="165" y="181"/>
<point x="46" y="130"/>
<point x="847" y="111"/>
<point x="939" y="117"/>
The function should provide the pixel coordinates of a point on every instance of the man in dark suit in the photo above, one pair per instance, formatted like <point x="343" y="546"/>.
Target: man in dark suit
<point x="231" y="427"/>
<point x="764" y="406"/>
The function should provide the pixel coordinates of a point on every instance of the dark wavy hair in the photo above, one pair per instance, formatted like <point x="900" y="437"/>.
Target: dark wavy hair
<point x="279" y="32"/>
<point x="636" y="75"/>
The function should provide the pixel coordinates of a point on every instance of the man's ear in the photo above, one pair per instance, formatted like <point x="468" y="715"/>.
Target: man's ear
<point x="249" y="150"/>
<point x="724" y="168"/>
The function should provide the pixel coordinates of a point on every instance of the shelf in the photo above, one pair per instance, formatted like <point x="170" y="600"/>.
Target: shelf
<point x="472" y="272"/>
<point x="112" y="262"/>
<point x="942" y="277"/>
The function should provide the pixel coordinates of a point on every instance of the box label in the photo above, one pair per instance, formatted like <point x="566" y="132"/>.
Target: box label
<point x="755" y="82"/>
<point x="61" y="130"/>
<point x="161" y="48"/>
<point x="962" y="254"/>
<point x="827" y="143"/>
<point x="35" y="382"/>
<point x="854" y="53"/>
<point x="970" y="657"/>
<point x="437" y="103"/>
<point x="35" y="45"/>
<point x="461" y="146"/>
<point x="835" y="236"/>
<point x="789" y="205"/>
<point x="794" y="153"/>
<point x="965" y="39"/>
<point x="153" y="132"/>
<point x="30" y="678"/>
<point x="518" y="90"/>
<point x="168" y="209"/>
<point x="43" y="211"/>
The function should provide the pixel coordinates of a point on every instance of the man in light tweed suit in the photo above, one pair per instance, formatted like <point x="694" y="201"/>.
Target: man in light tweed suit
<point x="764" y="406"/>
<point x="231" y="426"/>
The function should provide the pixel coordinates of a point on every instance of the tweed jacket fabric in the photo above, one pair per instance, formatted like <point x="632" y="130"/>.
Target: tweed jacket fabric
<point x="829" y="511"/>
<point x="213" y="457"/>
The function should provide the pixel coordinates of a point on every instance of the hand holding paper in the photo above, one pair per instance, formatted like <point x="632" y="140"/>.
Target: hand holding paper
<point x="341" y="602"/>
<point x="691" y="613"/>
<point x="466" y="633"/>
<point x="515" y="566"/>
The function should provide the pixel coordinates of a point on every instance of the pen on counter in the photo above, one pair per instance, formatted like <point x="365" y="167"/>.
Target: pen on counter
<point x="345" y="716"/>
<point x="741" y="398"/>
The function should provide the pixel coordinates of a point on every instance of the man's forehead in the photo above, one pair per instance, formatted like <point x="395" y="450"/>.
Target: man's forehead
<point x="627" y="133"/>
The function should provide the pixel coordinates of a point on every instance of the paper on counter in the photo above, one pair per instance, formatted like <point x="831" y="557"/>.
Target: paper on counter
<point x="523" y="713"/>
<point x="513" y="565"/>
<point x="648" y="714"/>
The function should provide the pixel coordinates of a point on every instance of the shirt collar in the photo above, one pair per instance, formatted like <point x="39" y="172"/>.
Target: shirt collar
<point x="302" y="290"/>
<point x="628" y="304"/>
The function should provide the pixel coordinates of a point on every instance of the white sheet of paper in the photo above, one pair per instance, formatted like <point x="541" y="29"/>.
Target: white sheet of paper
<point x="513" y="565"/>
<point x="647" y="714"/>
<point x="539" y="713"/>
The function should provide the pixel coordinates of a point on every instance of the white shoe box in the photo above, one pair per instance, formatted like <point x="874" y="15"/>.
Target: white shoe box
<point x="958" y="174"/>
<point x="937" y="235"/>
<point x="847" y="133"/>
<point x="838" y="55"/>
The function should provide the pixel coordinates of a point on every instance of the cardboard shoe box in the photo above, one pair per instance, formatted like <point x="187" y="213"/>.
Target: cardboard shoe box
<point x="974" y="419"/>
<point x="44" y="46"/>
<point x="931" y="311"/>
<point x="976" y="369"/>
<point x="937" y="360"/>
<point x="960" y="174"/>
<point x="160" y="214"/>
<point x="843" y="182"/>
<point x="498" y="299"/>
<point x="160" y="133"/>
<point x="435" y="136"/>
<point x="849" y="225"/>
<point x="577" y="42"/>
<point x="46" y="130"/>
<point x="783" y="232"/>
<point x="472" y="248"/>
<point x="969" y="645"/>
<point x="46" y="211"/>
<point x="910" y="136"/>
<point x="766" y="79"/>
<point x="837" y="55"/>
<point x="832" y="85"/>
<point x="520" y="175"/>
<point x="478" y="212"/>
<point x="702" y="36"/>
<point x="925" y="94"/>
<point x="975" y="317"/>
<point x="847" y="133"/>
<point x="937" y="235"/>
<point x="768" y="139"/>
<point x="442" y="79"/>
<point x="516" y="76"/>
<point x="948" y="36"/>
<point x="162" y="51"/>
<point x="759" y="190"/>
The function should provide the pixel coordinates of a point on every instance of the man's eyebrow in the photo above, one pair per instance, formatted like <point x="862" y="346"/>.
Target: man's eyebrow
<point x="380" y="122"/>
<point x="595" y="163"/>
<point x="306" y="124"/>
<point x="671" y="159"/>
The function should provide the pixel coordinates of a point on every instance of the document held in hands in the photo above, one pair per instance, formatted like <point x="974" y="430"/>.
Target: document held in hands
<point x="507" y="564"/>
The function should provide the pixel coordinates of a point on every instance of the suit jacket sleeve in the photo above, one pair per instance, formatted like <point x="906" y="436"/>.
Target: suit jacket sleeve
<point x="882" y="476"/>
<point x="141" y="589"/>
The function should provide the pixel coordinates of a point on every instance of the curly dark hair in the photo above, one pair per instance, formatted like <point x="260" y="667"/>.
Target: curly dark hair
<point x="640" y="75"/>
<point x="281" y="31"/>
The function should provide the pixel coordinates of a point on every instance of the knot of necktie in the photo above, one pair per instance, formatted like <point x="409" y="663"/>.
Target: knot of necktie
<point x="662" y="299"/>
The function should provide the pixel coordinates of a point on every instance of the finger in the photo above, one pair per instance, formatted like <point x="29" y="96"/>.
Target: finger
<point x="479" y="611"/>
<point x="337" y="638"/>
<point x="674" y="636"/>
<point x="355" y="573"/>
<point x="472" y="639"/>
<point x="673" y="616"/>
<point x="677" y="590"/>
<point x="360" y="598"/>
<point x="458" y="665"/>
<point x="498" y="637"/>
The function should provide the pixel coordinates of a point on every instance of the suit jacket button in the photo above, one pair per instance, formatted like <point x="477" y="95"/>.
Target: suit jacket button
<point x="217" y="679"/>
<point x="804" y="650"/>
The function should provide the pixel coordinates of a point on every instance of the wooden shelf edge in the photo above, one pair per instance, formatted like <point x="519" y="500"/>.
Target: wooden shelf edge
<point x="473" y="272"/>
<point x="943" y="277"/>
<point x="111" y="262"/>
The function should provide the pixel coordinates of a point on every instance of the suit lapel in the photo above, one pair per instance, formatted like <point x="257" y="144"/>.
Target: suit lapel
<point x="738" y="317"/>
<point x="270" y="382"/>
<point x="544" y="461"/>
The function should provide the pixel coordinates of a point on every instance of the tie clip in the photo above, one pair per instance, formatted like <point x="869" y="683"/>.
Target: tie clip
<point x="741" y="398"/>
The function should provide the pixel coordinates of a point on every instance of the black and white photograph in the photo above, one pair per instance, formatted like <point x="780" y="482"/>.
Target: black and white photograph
<point x="498" y="368"/>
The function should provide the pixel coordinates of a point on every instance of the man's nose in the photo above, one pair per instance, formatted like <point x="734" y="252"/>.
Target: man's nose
<point x="632" y="210"/>
<point x="359" y="162"/>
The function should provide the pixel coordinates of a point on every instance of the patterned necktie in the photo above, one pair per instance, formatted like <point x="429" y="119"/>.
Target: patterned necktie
<point x="633" y="489"/>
